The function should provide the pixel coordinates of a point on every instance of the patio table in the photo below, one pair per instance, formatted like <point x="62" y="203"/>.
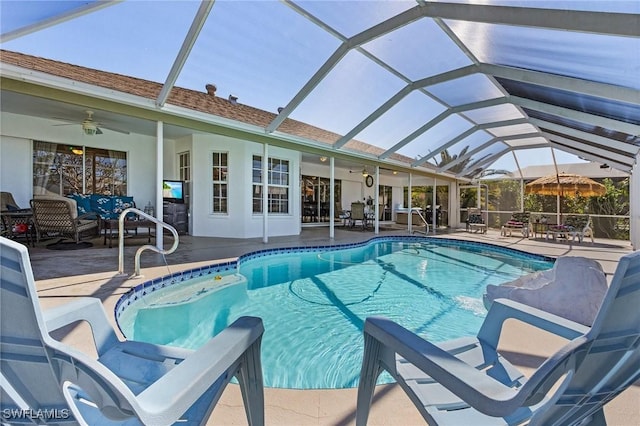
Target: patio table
<point x="110" y="227"/>
<point x="18" y="223"/>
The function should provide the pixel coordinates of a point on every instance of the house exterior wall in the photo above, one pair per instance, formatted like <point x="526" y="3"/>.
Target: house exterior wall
<point x="16" y="148"/>
<point x="16" y="171"/>
<point x="239" y="221"/>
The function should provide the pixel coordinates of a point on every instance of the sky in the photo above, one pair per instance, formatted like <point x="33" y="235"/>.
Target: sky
<point x="264" y="52"/>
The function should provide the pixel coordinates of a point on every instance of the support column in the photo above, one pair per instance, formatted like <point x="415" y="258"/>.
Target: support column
<point x="410" y="213"/>
<point x="159" y="177"/>
<point x="376" y="201"/>
<point x="434" y="212"/>
<point x="265" y="195"/>
<point x="634" y="205"/>
<point x="332" y="199"/>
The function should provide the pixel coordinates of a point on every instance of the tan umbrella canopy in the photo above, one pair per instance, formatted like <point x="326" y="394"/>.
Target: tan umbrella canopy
<point x="565" y="184"/>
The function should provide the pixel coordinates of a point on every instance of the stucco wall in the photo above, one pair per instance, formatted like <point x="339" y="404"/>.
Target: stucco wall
<point x="16" y="148"/>
<point x="239" y="221"/>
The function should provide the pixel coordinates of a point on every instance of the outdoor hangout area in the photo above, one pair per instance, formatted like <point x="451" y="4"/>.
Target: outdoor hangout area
<point x="328" y="213"/>
<point x="523" y="346"/>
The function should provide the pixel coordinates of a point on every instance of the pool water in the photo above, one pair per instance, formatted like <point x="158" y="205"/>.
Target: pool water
<point x="314" y="304"/>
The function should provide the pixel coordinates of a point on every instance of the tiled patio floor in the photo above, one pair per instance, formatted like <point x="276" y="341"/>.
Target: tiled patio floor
<point x="62" y="275"/>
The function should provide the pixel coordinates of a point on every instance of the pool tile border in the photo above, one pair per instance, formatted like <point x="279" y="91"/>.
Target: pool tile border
<point x="228" y="267"/>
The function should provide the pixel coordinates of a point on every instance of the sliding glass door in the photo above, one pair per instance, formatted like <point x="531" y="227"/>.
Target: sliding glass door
<point x="315" y="198"/>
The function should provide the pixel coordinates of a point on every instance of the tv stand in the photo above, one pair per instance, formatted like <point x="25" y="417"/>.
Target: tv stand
<point x="175" y="214"/>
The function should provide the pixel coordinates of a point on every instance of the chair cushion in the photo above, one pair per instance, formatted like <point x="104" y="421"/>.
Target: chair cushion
<point x="120" y="203"/>
<point x="83" y="202"/>
<point x="103" y="205"/>
<point x="475" y="218"/>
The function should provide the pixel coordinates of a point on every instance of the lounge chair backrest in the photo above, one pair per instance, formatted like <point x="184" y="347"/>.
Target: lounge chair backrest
<point x="357" y="211"/>
<point x="474" y="216"/>
<point x="521" y="217"/>
<point x="52" y="215"/>
<point x="59" y="216"/>
<point x="609" y="361"/>
<point x="7" y="202"/>
<point x="23" y="354"/>
<point x="137" y="382"/>
<point x="466" y="381"/>
<point x="30" y="356"/>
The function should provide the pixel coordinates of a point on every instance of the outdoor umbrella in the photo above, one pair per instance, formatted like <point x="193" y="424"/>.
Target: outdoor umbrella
<point x="565" y="184"/>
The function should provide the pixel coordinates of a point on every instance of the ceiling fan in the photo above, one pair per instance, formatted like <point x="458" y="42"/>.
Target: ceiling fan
<point x="89" y="126"/>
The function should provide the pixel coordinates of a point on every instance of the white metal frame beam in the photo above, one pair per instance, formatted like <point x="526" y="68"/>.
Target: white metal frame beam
<point x="569" y="84"/>
<point x="183" y="54"/>
<point x="603" y="155"/>
<point x="382" y="28"/>
<point x="477" y="127"/>
<point x="486" y="145"/>
<point x="597" y="140"/>
<point x="582" y="117"/>
<point x="55" y="20"/>
<point x="401" y="94"/>
<point x="441" y="117"/>
<point x="619" y="24"/>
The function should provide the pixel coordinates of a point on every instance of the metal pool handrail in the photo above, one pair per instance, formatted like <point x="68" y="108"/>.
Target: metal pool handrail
<point x="144" y="247"/>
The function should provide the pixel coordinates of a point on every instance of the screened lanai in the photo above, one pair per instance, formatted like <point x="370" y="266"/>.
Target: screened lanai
<point x="452" y="88"/>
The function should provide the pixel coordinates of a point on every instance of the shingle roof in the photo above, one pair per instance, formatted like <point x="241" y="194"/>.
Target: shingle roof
<point x="186" y="98"/>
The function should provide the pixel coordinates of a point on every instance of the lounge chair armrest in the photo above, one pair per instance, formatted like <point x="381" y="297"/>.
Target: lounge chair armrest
<point x="169" y="397"/>
<point x="503" y="309"/>
<point x="84" y="309"/>
<point x="476" y="388"/>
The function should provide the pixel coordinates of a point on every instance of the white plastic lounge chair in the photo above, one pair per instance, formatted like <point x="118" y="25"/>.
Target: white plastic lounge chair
<point x="130" y="382"/>
<point x="466" y="381"/>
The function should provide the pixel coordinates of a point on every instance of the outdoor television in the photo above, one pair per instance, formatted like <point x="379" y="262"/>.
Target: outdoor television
<point x="173" y="191"/>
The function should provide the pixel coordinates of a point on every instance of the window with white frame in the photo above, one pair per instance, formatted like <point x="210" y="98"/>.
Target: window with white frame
<point x="220" y="173"/>
<point x="184" y="173"/>
<point x="278" y="185"/>
<point x="184" y="166"/>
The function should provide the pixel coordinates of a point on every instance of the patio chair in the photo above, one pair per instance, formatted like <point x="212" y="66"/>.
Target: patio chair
<point x="475" y="221"/>
<point x="8" y="203"/>
<point x="59" y="217"/>
<point x="357" y="214"/>
<point x="16" y="221"/>
<point x="466" y="381"/>
<point x="340" y="213"/>
<point x="129" y="382"/>
<point x="519" y="222"/>
<point x="581" y="227"/>
<point x="576" y="226"/>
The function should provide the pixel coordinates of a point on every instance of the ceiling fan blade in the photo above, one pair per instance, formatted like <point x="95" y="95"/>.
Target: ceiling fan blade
<point x="65" y="124"/>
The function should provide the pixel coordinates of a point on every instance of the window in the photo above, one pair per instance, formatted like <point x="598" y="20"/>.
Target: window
<point x="184" y="171"/>
<point x="184" y="166"/>
<point x="278" y="181"/>
<point x="385" y="194"/>
<point x="220" y="172"/>
<point x="68" y="169"/>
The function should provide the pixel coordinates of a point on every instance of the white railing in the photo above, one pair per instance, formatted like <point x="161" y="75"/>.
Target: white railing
<point x="426" y="224"/>
<point x="144" y="247"/>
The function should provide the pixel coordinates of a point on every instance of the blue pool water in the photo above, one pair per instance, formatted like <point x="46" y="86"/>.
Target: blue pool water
<point x="314" y="303"/>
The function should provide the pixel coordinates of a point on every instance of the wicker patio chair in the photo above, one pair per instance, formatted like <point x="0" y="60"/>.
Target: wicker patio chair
<point x="58" y="218"/>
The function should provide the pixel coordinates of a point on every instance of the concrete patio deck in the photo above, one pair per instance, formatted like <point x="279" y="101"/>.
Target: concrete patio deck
<point x="63" y="275"/>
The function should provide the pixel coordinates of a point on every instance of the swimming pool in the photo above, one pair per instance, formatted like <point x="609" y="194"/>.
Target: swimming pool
<point x="314" y="301"/>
